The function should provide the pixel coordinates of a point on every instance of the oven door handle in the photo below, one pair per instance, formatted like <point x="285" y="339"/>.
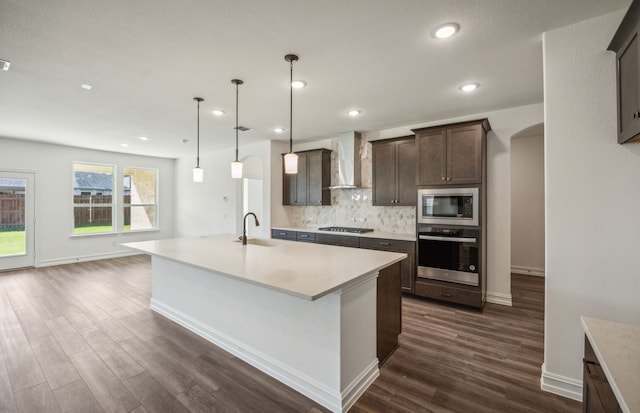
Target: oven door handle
<point x="450" y="239"/>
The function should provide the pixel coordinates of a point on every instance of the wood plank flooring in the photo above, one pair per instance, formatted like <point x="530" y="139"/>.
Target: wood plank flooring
<point x="81" y="338"/>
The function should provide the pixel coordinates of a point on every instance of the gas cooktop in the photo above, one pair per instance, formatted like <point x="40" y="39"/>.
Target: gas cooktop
<point x="346" y="229"/>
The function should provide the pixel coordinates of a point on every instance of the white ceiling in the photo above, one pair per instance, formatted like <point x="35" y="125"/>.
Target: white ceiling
<point x="147" y="59"/>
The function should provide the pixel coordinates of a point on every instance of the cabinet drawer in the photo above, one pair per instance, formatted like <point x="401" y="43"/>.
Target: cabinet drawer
<point x="340" y="240"/>
<point x="387" y="244"/>
<point x="306" y="237"/>
<point x="451" y="294"/>
<point x="283" y="234"/>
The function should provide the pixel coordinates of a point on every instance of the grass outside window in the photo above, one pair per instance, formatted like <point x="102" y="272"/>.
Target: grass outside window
<point x="12" y="243"/>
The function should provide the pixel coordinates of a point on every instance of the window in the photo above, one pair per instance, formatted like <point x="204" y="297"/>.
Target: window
<point x="139" y="200"/>
<point x="93" y="202"/>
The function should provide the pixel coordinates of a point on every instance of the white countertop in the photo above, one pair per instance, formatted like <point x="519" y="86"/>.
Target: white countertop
<point x="617" y="347"/>
<point x="305" y="270"/>
<point x="374" y="234"/>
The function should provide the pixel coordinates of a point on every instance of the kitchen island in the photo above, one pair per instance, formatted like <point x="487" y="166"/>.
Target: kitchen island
<point x="303" y="313"/>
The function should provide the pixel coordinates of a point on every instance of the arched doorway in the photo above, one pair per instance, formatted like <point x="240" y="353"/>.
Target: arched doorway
<point x="527" y="201"/>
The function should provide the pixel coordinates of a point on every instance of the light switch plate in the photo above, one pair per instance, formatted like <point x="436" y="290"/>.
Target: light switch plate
<point x="5" y="65"/>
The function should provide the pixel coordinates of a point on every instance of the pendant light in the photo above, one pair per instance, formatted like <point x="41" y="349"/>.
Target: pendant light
<point x="291" y="159"/>
<point x="198" y="173"/>
<point x="236" y="166"/>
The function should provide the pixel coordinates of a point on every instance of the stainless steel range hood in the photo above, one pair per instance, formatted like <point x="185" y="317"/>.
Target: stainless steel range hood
<point x="349" y="169"/>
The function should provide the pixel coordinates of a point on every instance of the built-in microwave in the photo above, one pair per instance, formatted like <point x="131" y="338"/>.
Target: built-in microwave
<point x="448" y="206"/>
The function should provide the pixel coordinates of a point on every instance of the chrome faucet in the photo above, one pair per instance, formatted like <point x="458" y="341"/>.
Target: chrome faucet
<point x="244" y="226"/>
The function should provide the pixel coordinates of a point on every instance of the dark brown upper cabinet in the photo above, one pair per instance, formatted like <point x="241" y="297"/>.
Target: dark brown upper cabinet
<point x="310" y="186"/>
<point x="394" y="172"/>
<point x="452" y="154"/>
<point x="625" y="44"/>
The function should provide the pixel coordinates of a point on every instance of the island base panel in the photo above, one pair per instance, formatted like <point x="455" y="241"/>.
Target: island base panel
<point x="325" y="349"/>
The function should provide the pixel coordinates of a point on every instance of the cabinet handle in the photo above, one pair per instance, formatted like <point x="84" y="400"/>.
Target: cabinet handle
<point x="443" y="178"/>
<point x="283" y="233"/>
<point x="448" y="178"/>
<point x="446" y="294"/>
<point x="635" y="115"/>
<point x="304" y="236"/>
<point x="385" y="243"/>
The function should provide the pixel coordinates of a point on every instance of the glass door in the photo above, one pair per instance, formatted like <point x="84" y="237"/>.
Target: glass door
<point x="16" y="220"/>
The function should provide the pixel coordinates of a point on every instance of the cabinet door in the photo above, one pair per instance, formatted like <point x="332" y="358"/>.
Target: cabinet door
<point x="384" y="174"/>
<point x="314" y="178"/>
<point x="464" y="155"/>
<point x="407" y="195"/>
<point x="628" y="92"/>
<point x="432" y="155"/>
<point x="288" y="187"/>
<point x="301" y="181"/>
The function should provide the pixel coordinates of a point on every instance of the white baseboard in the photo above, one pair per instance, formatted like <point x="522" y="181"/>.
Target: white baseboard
<point x="499" y="298"/>
<point x="561" y="385"/>
<point x="517" y="269"/>
<point x="316" y="391"/>
<point x="359" y="385"/>
<point x="92" y="257"/>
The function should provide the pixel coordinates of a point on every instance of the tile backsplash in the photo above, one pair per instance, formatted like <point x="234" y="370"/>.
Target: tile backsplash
<point x="352" y="207"/>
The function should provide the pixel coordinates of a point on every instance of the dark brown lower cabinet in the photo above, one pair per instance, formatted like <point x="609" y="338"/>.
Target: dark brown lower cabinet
<point x="389" y="311"/>
<point x="407" y="266"/>
<point x="464" y="295"/>
<point x="597" y="395"/>
<point x="339" y="240"/>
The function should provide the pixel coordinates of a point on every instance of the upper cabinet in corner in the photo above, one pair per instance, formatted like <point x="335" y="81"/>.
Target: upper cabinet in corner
<point x="625" y="44"/>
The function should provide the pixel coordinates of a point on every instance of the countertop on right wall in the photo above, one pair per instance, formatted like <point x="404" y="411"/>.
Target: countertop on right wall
<point x="617" y="347"/>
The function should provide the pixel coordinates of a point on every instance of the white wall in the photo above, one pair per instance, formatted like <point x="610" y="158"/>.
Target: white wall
<point x="527" y="202"/>
<point x="52" y="165"/>
<point x="215" y="205"/>
<point x="592" y="198"/>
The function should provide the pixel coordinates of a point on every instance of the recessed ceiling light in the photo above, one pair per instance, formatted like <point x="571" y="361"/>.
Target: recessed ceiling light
<point x="86" y="86"/>
<point x="218" y="112"/>
<point x="124" y="145"/>
<point x="469" y="87"/>
<point x="143" y="138"/>
<point x="446" y="30"/>
<point x="298" y="84"/>
<point x="278" y="130"/>
<point x="354" y="112"/>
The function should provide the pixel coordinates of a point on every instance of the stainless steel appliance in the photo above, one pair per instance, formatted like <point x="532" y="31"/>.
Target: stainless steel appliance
<point x="449" y="254"/>
<point x="448" y="206"/>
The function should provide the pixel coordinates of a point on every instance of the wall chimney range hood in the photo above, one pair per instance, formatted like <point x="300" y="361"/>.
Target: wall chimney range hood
<point x="349" y="169"/>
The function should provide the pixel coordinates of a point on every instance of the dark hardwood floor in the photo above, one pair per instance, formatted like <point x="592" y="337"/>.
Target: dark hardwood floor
<point x="81" y="338"/>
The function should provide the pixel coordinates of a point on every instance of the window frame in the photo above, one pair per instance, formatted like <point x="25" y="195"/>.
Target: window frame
<point x="112" y="205"/>
<point x="156" y="226"/>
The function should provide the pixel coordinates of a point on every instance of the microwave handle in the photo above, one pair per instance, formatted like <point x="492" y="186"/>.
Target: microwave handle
<point x="450" y="239"/>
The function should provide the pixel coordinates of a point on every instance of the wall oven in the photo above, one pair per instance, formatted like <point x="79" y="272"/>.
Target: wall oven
<point x="448" y="206"/>
<point x="450" y="254"/>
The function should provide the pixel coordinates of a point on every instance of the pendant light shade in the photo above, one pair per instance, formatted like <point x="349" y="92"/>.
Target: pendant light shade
<point x="290" y="163"/>
<point x="291" y="159"/>
<point x="236" y="166"/>
<point x="198" y="173"/>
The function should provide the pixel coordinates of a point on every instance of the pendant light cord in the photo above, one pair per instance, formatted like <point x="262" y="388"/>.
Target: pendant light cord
<point x="198" y="138"/>
<point x="291" y="107"/>
<point x="237" y="121"/>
